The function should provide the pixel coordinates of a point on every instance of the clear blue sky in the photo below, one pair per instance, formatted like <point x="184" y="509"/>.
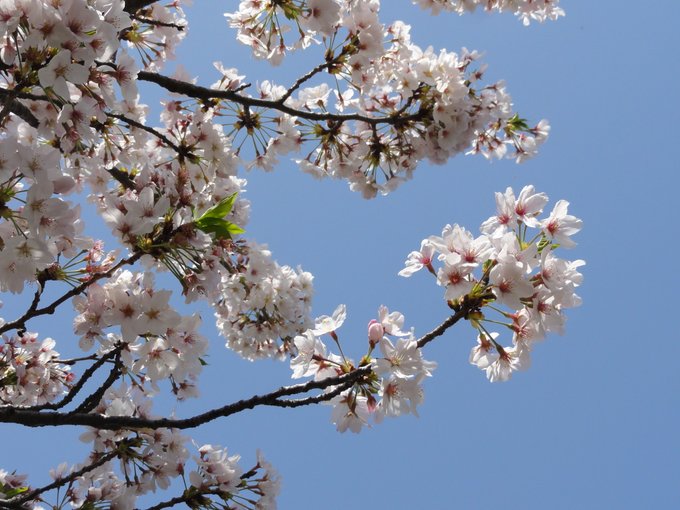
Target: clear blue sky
<point x="593" y="424"/>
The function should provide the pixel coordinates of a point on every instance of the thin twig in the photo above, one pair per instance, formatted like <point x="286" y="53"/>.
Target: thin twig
<point x="322" y="397"/>
<point x="73" y="361"/>
<point x="93" y="399"/>
<point x="302" y="79"/>
<point x="198" y="92"/>
<point x="131" y="122"/>
<point x="27" y="496"/>
<point x="184" y="498"/>
<point x="157" y="23"/>
<point x="20" y="323"/>
<point x="87" y="374"/>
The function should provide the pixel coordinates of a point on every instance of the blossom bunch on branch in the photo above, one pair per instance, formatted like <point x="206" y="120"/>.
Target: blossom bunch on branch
<point x="511" y="271"/>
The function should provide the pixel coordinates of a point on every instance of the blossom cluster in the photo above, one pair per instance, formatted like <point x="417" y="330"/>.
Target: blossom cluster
<point x="264" y="25"/>
<point x="263" y="305"/>
<point x="394" y="386"/>
<point x="219" y="473"/>
<point x="156" y="342"/>
<point x="431" y="104"/>
<point x="510" y="270"/>
<point x="30" y="371"/>
<point x="39" y="224"/>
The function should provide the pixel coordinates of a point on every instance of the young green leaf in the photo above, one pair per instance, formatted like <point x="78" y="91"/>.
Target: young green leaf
<point x="221" y="228"/>
<point x="221" y="208"/>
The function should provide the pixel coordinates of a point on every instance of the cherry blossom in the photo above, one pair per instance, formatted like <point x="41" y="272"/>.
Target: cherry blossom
<point x="60" y="71"/>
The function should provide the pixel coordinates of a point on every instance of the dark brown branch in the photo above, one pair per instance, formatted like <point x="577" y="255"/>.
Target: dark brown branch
<point x="122" y="177"/>
<point x="189" y="496"/>
<point x="203" y="93"/>
<point x="316" y="399"/>
<point x="7" y="105"/>
<point x="51" y="419"/>
<point x="302" y="79"/>
<point x="24" y="95"/>
<point x="36" y="297"/>
<point x="24" y="114"/>
<point x="132" y="6"/>
<point x="11" y="105"/>
<point x="93" y="400"/>
<point x="467" y="307"/>
<point x="157" y="23"/>
<point x="20" y="323"/>
<point x="33" y="418"/>
<point x="73" y="361"/>
<point x="184" y="498"/>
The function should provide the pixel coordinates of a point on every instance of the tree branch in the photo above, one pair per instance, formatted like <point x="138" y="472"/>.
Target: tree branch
<point x="132" y="6"/>
<point x="187" y="497"/>
<point x="122" y="177"/>
<point x="73" y="361"/>
<point x="184" y="498"/>
<point x="131" y="122"/>
<point x="157" y="23"/>
<point x="439" y="330"/>
<point x="50" y="419"/>
<point x="7" y="104"/>
<point x="316" y="399"/>
<point x="466" y="307"/>
<point x="302" y="79"/>
<point x="17" y="108"/>
<point x="32" y="417"/>
<point x="93" y="400"/>
<point x="198" y="92"/>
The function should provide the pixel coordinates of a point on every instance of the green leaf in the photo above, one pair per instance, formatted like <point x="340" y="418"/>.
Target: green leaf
<point x="10" y="493"/>
<point x="233" y="228"/>
<point x="220" y="209"/>
<point x="221" y="228"/>
<point x="517" y="123"/>
<point x="212" y="221"/>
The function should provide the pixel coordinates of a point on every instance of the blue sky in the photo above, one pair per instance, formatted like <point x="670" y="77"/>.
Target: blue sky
<point x="592" y="425"/>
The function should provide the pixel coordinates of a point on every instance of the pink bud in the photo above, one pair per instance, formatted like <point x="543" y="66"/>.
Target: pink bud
<point x="375" y="332"/>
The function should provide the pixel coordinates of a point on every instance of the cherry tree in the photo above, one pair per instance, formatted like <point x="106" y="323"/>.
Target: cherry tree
<point x="75" y="130"/>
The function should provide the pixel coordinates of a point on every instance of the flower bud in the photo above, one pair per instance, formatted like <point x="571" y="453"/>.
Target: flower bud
<point x="375" y="332"/>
